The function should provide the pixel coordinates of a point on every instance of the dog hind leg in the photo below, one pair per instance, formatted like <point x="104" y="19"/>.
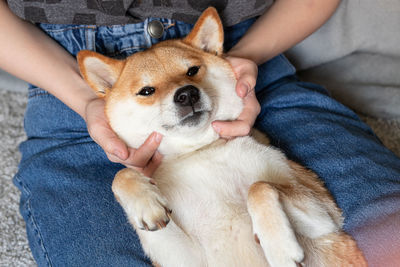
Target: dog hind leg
<point x="317" y="229"/>
<point x="272" y="226"/>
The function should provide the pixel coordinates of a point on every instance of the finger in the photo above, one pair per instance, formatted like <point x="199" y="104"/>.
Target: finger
<point x="243" y="124"/>
<point x="108" y="140"/>
<point x="113" y="158"/>
<point x="242" y="88"/>
<point x="150" y="167"/>
<point x="153" y="164"/>
<point x="251" y="109"/>
<point x="228" y="129"/>
<point x="245" y="84"/>
<point x="141" y="156"/>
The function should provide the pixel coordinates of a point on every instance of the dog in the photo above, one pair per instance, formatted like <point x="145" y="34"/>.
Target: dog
<point x="211" y="202"/>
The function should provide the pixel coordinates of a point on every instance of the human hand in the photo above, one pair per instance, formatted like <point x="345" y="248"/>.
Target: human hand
<point x="145" y="159"/>
<point x="246" y="74"/>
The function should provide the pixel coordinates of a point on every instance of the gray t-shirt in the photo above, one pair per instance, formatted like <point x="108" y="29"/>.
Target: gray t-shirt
<point x="109" y="12"/>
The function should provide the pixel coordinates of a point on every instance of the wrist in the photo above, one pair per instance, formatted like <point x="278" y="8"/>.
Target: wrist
<point x="92" y="104"/>
<point x="250" y="52"/>
<point x="75" y="93"/>
<point x="87" y="99"/>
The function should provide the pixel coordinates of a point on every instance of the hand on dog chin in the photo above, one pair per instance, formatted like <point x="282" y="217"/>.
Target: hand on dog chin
<point x="145" y="159"/>
<point x="246" y="74"/>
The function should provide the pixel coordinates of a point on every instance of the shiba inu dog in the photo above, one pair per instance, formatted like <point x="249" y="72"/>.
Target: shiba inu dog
<point x="235" y="203"/>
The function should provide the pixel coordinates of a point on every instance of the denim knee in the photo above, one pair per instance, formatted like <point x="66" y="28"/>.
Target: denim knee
<point x="327" y="137"/>
<point x="72" y="217"/>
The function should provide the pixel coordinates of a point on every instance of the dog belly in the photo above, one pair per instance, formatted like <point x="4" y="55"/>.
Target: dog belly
<point x="233" y="244"/>
<point x="207" y="193"/>
<point x="205" y="238"/>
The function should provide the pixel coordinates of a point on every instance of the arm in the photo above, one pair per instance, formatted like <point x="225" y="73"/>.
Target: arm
<point x="284" y="24"/>
<point x="31" y="55"/>
<point x="28" y="53"/>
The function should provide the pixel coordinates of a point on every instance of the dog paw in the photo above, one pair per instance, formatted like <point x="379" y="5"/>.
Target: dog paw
<point x="297" y="256"/>
<point x="151" y="212"/>
<point x="282" y="251"/>
<point x="288" y="254"/>
<point x="142" y="201"/>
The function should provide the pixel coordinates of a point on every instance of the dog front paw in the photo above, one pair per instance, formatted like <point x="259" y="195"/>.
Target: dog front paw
<point x="141" y="199"/>
<point x="151" y="210"/>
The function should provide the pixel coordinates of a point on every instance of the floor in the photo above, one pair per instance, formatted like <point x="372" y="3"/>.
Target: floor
<point x="11" y="83"/>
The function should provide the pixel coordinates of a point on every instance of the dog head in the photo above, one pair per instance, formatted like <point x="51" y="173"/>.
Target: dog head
<point x="176" y="87"/>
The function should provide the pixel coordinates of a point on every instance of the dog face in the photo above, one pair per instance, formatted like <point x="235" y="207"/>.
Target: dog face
<point x="177" y="88"/>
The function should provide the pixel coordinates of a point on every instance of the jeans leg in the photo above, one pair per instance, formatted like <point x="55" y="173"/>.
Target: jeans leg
<point x="325" y="136"/>
<point x="72" y="217"/>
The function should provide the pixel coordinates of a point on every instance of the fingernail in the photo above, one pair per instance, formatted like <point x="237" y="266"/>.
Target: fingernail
<point x="244" y="88"/>
<point x="157" y="137"/>
<point x="216" y="128"/>
<point x="118" y="154"/>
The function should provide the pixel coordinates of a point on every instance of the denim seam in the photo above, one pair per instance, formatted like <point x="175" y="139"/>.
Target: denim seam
<point x="70" y="28"/>
<point x="86" y="41"/>
<point x="170" y="24"/>
<point x="31" y="220"/>
<point x="120" y="51"/>
<point x="34" y="92"/>
<point x="87" y="44"/>
<point x="39" y="94"/>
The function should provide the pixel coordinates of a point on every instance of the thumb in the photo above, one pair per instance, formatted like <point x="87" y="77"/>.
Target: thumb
<point x="228" y="129"/>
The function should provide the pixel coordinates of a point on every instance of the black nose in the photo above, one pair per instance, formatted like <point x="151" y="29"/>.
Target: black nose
<point x="187" y="95"/>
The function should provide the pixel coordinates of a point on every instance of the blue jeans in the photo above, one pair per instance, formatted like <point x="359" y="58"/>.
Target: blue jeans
<point x="65" y="178"/>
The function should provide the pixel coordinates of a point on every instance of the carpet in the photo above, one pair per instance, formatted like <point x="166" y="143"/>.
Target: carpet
<point x="14" y="249"/>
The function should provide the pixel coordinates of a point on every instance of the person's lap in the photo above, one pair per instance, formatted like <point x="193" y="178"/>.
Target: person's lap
<point x="362" y="175"/>
<point x="65" y="178"/>
<point x="327" y="137"/>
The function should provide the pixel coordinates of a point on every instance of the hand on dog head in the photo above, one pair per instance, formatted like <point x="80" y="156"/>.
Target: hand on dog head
<point x="176" y="88"/>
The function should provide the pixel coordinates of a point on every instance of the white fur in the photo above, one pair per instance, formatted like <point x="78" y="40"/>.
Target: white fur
<point x="134" y="122"/>
<point x="280" y="245"/>
<point x="208" y="38"/>
<point x="313" y="222"/>
<point x="208" y="195"/>
<point x="100" y="73"/>
<point x="148" y="207"/>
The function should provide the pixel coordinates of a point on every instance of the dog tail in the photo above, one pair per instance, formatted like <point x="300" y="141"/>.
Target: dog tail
<point x="334" y="249"/>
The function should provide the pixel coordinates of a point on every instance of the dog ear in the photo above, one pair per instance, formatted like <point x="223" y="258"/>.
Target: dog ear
<point x="99" y="71"/>
<point x="208" y="33"/>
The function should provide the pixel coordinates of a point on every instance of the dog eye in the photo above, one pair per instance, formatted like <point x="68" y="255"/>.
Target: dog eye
<point x="192" y="71"/>
<point x="146" y="91"/>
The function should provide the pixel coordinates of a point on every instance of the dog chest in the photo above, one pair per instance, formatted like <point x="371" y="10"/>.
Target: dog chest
<point x="223" y="170"/>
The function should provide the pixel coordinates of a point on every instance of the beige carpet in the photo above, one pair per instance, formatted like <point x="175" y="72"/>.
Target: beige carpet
<point x="14" y="249"/>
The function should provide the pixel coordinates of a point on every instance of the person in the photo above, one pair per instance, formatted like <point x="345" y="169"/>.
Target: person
<point x="71" y="154"/>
